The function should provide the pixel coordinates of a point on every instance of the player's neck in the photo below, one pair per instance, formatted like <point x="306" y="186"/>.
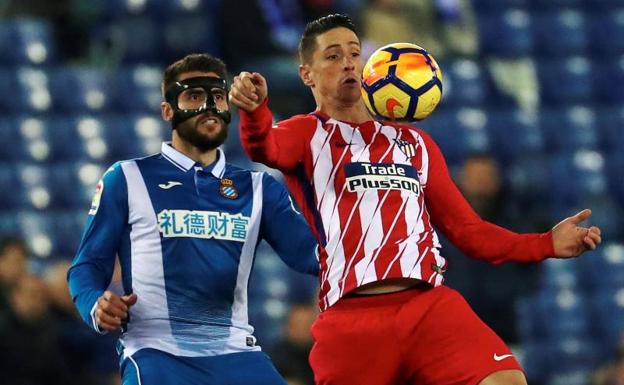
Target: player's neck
<point x="353" y="113"/>
<point x="203" y="157"/>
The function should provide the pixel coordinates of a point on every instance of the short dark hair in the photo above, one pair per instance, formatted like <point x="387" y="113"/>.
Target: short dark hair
<point x="307" y="44"/>
<point x="201" y="62"/>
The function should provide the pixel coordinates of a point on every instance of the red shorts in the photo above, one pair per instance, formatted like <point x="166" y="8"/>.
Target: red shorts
<point x="420" y="336"/>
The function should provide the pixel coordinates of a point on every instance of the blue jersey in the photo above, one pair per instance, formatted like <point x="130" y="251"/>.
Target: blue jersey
<point x="186" y="237"/>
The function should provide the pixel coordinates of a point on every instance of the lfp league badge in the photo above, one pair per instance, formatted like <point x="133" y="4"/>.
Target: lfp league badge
<point x="227" y="189"/>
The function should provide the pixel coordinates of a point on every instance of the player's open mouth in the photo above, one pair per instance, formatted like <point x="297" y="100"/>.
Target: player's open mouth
<point x="350" y="81"/>
<point x="209" y="119"/>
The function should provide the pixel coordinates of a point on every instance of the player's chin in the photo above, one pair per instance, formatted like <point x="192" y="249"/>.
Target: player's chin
<point x="350" y="96"/>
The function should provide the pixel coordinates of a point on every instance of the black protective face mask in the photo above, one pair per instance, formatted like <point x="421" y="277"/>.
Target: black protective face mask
<point x="194" y="96"/>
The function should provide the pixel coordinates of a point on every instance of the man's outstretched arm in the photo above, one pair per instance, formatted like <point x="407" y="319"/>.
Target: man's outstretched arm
<point x="452" y="214"/>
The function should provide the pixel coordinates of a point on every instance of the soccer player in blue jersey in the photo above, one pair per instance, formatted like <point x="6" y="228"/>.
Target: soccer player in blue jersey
<point x="185" y="225"/>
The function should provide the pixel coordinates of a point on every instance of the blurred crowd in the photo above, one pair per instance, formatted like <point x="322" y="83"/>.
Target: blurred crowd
<point x="39" y="326"/>
<point x="44" y="339"/>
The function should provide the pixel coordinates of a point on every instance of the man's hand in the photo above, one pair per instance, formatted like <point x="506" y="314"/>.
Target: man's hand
<point x="112" y="309"/>
<point x="248" y="91"/>
<point x="571" y="240"/>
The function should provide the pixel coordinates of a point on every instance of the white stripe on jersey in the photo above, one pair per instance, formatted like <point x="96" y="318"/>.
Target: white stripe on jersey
<point x="357" y="144"/>
<point x="148" y="279"/>
<point x="323" y="169"/>
<point x="240" y="328"/>
<point x="409" y="201"/>
<point x="370" y="218"/>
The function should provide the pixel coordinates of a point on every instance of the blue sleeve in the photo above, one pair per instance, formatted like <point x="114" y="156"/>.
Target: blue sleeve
<point x="285" y="230"/>
<point x="92" y="268"/>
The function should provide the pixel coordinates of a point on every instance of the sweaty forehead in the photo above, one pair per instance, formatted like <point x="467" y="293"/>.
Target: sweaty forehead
<point x="340" y="36"/>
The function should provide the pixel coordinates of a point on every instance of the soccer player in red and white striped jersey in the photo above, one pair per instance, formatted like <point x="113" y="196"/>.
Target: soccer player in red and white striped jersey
<point x="372" y="191"/>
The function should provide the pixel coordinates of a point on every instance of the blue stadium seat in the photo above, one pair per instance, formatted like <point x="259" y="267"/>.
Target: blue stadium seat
<point x="535" y="361"/>
<point x="134" y="39"/>
<point x="138" y="89"/>
<point x="577" y="177"/>
<point x="75" y="183"/>
<point x="114" y="9"/>
<point x="570" y="129"/>
<point x="268" y="295"/>
<point x="8" y="220"/>
<point x="488" y="5"/>
<point x="609" y="313"/>
<point x="572" y="357"/>
<point x="609" y="76"/>
<point x="607" y="32"/>
<point x="191" y="33"/>
<point x="506" y="34"/>
<point x="9" y="139"/>
<point x="77" y="90"/>
<point x="38" y="231"/>
<point x="515" y="134"/>
<point x="530" y="179"/>
<point x="68" y="226"/>
<point x="136" y="136"/>
<point x="5" y="42"/>
<point x="26" y="42"/>
<point x="11" y="186"/>
<point x="30" y="91"/>
<point x="563" y="313"/>
<point x="610" y="123"/>
<point x="560" y="32"/>
<point x="33" y="140"/>
<point x="593" y="5"/>
<point x="464" y="83"/>
<point x="615" y="166"/>
<point x="566" y="80"/>
<point x="174" y="8"/>
<point x="83" y="138"/>
<point x="442" y="126"/>
<point x="538" y="5"/>
<point x="7" y="88"/>
<point x="603" y="268"/>
<point x="37" y="187"/>
<point x="558" y="274"/>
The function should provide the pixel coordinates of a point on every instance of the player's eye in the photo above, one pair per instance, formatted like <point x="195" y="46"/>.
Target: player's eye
<point x="332" y="57"/>
<point x="218" y="94"/>
<point x="355" y="54"/>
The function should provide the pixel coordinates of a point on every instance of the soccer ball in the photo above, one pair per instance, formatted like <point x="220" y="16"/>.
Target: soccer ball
<point x="401" y="81"/>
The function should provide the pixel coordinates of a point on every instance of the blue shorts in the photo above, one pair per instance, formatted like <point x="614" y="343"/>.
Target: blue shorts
<point x="153" y="367"/>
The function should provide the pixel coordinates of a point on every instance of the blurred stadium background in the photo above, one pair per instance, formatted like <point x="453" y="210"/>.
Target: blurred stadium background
<point x="534" y="87"/>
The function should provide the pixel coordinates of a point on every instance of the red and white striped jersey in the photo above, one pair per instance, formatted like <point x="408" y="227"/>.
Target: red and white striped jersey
<point x="371" y="193"/>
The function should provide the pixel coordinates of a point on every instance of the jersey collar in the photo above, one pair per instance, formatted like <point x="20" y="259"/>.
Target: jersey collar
<point x="185" y="163"/>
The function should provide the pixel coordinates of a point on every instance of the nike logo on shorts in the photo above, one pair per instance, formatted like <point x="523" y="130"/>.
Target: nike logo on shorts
<point x="501" y="357"/>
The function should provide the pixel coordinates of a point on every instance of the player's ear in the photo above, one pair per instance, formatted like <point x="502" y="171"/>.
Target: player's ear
<point x="166" y="111"/>
<point x="304" y="74"/>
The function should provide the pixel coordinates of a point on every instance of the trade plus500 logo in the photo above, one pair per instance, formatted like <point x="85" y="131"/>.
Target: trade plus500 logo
<point x="381" y="176"/>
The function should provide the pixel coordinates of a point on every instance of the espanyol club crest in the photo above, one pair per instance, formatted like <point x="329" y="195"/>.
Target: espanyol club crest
<point x="406" y="147"/>
<point x="227" y="189"/>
